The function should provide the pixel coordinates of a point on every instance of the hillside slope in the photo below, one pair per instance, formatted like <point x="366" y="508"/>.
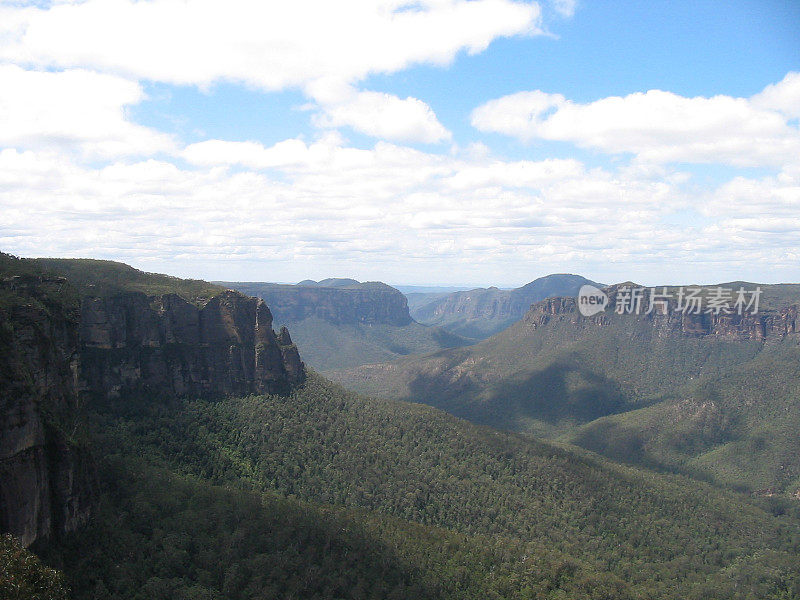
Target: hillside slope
<point x="727" y="387"/>
<point x="480" y="313"/>
<point x="114" y="332"/>
<point x="418" y="497"/>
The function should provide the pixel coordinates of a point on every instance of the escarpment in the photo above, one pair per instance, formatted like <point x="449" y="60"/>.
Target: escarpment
<point x="482" y="312"/>
<point x="46" y="479"/>
<point x="766" y="325"/>
<point x="59" y="343"/>
<point x="351" y="303"/>
<point x="167" y="345"/>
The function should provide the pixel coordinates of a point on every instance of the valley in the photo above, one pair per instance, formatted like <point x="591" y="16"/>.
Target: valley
<point x="342" y="323"/>
<point x="399" y="300"/>
<point x="188" y="424"/>
<point x="609" y="382"/>
<point x="480" y="313"/>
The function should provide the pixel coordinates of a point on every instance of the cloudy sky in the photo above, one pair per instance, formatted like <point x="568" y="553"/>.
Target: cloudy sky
<point x="462" y="142"/>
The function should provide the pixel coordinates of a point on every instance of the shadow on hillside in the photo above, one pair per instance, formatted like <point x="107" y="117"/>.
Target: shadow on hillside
<point x="564" y="390"/>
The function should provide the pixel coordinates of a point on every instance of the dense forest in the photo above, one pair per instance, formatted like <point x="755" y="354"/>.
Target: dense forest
<point x="610" y="384"/>
<point x="245" y="497"/>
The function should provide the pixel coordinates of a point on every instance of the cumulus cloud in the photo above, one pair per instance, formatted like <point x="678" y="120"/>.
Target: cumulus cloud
<point x="313" y="45"/>
<point x="268" y="44"/>
<point x="74" y="109"/>
<point x="384" y="116"/>
<point x="783" y="96"/>
<point x="659" y="126"/>
<point x="252" y="155"/>
<point x="295" y="204"/>
<point x="467" y="215"/>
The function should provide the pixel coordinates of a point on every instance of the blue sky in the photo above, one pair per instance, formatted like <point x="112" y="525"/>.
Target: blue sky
<point x="452" y="142"/>
<point x="604" y="49"/>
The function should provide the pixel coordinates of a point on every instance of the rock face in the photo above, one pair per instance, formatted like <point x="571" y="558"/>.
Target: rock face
<point x="166" y="345"/>
<point x="342" y="323"/>
<point x="55" y="347"/>
<point x="46" y="480"/>
<point x="338" y="301"/>
<point x="765" y="326"/>
<point x="556" y="357"/>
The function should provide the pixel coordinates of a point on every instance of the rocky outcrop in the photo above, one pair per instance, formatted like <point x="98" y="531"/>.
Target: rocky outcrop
<point x="350" y="303"/>
<point x="766" y="325"/>
<point x="56" y="347"/>
<point x="46" y="479"/>
<point x="167" y="345"/>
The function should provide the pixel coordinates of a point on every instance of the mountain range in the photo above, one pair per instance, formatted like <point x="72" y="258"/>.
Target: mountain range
<point x="161" y="440"/>
<point x="480" y="313"/>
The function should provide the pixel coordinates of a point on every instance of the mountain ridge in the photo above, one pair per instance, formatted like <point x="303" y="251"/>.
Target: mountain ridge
<point x="482" y="312"/>
<point x="203" y="494"/>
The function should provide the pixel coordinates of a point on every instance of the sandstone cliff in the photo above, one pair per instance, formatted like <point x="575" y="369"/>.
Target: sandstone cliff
<point x="59" y="342"/>
<point x="768" y="324"/>
<point x="341" y="302"/>
<point x="342" y="323"/>
<point x="482" y="312"/>
<point x="559" y="364"/>
<point x="167" y="345"/>
<point x="45" y="476"/>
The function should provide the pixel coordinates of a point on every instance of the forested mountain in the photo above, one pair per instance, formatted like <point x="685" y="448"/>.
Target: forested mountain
<point x="727" y="387"/>
<point x="342" y="323"/>
<point x="482" y="312"/>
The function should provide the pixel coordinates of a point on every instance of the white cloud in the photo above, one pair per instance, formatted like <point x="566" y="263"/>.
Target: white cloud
<point x="783" y="96"/>
<point x="467" y="216"/>
<point x="384" y="116"/>
<point x="249" y="154"/>
<point x="318" y="46"/>
<point x="270" y="44"/>
<point x="295" y="206"/>
<point x="659" y="126"/>
<point x="73" y="109"/>
<point x="523" y="173"/>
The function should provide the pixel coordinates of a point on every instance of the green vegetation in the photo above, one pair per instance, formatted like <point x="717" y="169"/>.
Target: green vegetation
<point x="426" y="500"/>
<point x="163" y="536"/>
<point x="326" y="494"/>
<point x="326" y="346"/>
<point x="737" y="428"/>
<point x="731" y="405"/>
<point x="105" y="277"/>
<point x="24" y="577"/>
<point x="341" y="323"/>
<point x="13" y="294"/>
